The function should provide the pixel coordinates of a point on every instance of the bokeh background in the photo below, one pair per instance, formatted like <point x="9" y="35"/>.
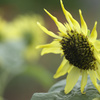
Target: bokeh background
<point x="22" y="70"/>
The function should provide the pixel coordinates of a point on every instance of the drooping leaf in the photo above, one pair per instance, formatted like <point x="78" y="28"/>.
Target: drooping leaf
<point x="56" y="92"/>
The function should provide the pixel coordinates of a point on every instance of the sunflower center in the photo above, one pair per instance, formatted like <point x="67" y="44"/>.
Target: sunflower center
<point x="78" y="51"/>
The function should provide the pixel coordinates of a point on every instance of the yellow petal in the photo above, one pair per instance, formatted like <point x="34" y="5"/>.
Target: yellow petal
<point x="68" y="26"/>
<point x="84" y="80"/>
<point x="97" y="55"/>
<point x="54" y="43"/>
<point x="98" y="70"/>
<point x="83" y="23"/>
<point x="71" y="80"/>
<point x="60" y="26"/>
<point x="51" y="50"/>
<point x="48" y="32"/>
<point x="94" y="80"/>
<point x="93" y="35"/>
<point x="98" y="74"/>
<point x="53" y="47"/>
<point x="73" y="23"/>
<point x="97" y="45"/>
<point x="63" y="68"/>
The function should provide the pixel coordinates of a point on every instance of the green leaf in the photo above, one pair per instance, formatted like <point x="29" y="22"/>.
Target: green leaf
<point x="56" y="92"/>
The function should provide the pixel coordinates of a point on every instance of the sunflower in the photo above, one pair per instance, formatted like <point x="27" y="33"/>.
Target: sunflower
<point x="79" y="48"/>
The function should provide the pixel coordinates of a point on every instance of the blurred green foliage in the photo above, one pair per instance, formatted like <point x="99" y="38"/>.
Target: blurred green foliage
<point x="18" y="56"/>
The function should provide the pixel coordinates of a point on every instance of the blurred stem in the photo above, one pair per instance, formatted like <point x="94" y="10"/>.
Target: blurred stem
<point x="43" y="76"/>
<point x="5" y="78"/>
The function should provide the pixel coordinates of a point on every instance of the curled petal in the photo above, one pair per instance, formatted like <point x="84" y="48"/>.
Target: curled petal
<point x="73" y="23"/>
<point x="84" y="80"/>
<point x="48" y="32"/>
<point x="83" y="23"/>
<point x="60" y="26"/>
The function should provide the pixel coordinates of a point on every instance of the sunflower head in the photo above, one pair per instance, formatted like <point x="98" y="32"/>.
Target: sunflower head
<point x="78" y="51"/>
<point x="79" y="47"/>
